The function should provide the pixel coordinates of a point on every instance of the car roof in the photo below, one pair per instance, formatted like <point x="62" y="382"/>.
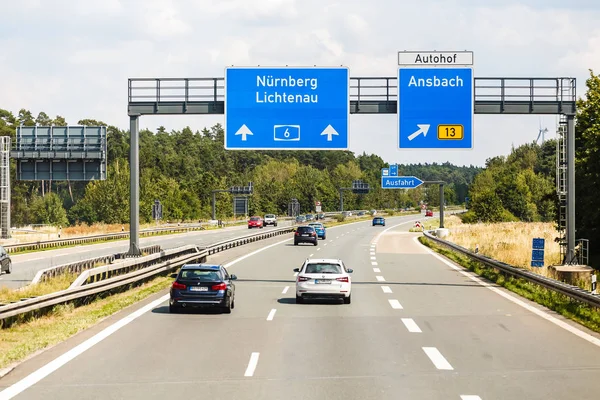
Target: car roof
<point x="324" y="260"/>
<point x="202" y="266"/>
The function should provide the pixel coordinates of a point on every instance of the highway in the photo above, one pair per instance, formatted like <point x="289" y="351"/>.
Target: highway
<point x="418" y="328"/>
<point x="25" y="266"/>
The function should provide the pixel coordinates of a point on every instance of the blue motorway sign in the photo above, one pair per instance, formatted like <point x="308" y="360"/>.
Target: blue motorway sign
<point x="385" y="172"/>
<point x="394" y="170"/>
<point x="400" y="182"/>
<point x="286" y="108"/>
<point x="435" y="108"/>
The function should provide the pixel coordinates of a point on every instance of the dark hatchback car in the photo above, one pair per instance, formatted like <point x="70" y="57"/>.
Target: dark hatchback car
<point x="379" y="221"/>
<point x="203" y="285"/>
<point x="305" y="234"/>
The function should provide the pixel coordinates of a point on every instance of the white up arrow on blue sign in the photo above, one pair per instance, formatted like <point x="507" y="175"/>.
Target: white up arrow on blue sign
<point x="400" y="182"/>
<point x="287" y="108"/>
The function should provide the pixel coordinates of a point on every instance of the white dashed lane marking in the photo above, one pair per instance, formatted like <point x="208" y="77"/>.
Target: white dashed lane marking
<point x="285" y="289"/>
<point x="386" y="289"/>
<point x="437" y="358"/>
<point x="395" y="304"/>
<point x="411" y="325"/>
<point x="252" y="364"/>
<point x="380" y="278"/>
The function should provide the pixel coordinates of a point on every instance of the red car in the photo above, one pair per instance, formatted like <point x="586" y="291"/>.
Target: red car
<point x="429" y="213"/>
<point x="255" y="222"/>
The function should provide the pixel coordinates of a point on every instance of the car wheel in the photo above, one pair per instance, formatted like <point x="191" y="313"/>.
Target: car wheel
<point x="9" y="269"/>
<point x="348" y="299"/>
<point x="324" y="237"/>
<point x="233" y="303"/>
<point x="295" y="243"/>
<point x="173" y="309"/>
<point x="316" y="243"/>
<point x="227" y="308"/>
<point x="299" y="299"/>
<point x="275" y="225"/>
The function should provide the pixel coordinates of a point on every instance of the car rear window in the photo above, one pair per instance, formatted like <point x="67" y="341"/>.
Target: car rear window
<point x="269" y="216"/>
<point x="305" y="229"/>
<point x="201" y="275"/>
<point x="317" y="226"/>
<point x="254" y="219"/>
<point x="323" y="268"/>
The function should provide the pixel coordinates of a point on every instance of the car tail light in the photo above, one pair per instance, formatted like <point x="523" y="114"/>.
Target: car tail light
<point x="220" y="286"/>
<point x="179" y="286"/>
<point x="313" y="234"/>
<point x="297" y="233"/>
<point x="303" y="278"/>
<point x="344" y="279"/>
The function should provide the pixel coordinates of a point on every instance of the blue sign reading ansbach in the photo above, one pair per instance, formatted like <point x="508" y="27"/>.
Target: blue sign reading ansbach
<point x="435" y="108"/>
<point x="287" y="108"/>
<point x="400" y="182"/>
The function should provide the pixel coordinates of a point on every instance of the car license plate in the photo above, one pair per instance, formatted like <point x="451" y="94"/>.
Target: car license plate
<point x="322" y="280"/>
<point x="305" y="234"/>
<point x="198" y="289"/>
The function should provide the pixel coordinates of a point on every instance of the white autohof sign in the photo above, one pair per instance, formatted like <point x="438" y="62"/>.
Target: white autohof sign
<point x="435" y="58"/>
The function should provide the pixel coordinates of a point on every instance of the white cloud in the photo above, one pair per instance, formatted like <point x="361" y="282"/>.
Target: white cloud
<point x="74" y="57"/>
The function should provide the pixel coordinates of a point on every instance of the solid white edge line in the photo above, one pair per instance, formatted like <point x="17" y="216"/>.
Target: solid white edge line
<point x="380" y="278"/>
<point x="540" y="313"/>
<point x="285" y="289"/>
<point x="395" y="304"/>
<point x="411" y="325"/>
<point x="469" y="397"/>
<point x="437" y="358"/>
<point x="252" y="364"/>
<point x="271" y="314"/>
<point x="376" y="270"/>
<point x="386" y="289"/>
<point x="58" y="362"/>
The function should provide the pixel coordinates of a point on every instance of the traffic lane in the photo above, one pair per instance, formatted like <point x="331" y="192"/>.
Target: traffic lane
<point x="118" y="345"/>
<point x="157" y="344"/>
<point x="26" y="266"/>
<point x="39" y="360"/>
<point x="358" y="351"/>
<point x="481" y="333"/>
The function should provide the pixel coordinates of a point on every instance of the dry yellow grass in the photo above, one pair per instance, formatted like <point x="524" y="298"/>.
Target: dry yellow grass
<point x="55" y="284"/>
<point x="509" y="242"/>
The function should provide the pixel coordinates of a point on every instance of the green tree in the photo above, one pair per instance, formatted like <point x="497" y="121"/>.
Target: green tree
<point x="48" y="210"/>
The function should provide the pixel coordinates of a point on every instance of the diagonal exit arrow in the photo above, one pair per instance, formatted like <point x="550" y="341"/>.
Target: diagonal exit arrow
<point x="423" y="128"/>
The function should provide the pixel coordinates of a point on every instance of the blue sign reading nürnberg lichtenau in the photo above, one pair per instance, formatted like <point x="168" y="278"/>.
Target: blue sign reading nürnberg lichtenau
<point x="400" y="182"/>
<point x="287" y="108"/>
<point x="435" y="108"/>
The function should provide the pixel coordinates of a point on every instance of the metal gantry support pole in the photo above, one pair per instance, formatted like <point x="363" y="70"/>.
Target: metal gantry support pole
<point x="442" y="200"/>
<point x="342" y="199"/>
<point x="571" y="234"/>
<point x="134" y="174"/>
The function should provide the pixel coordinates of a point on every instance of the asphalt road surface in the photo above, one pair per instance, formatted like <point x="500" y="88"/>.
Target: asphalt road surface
<point x="418" y="328"/>
<point x="25" y="266"/>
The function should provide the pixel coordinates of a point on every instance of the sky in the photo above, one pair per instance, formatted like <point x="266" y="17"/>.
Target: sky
<point x="73" y="58"/>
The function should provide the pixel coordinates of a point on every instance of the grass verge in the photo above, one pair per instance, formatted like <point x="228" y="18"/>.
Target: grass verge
<point x="55" y="284"/>
<point x="581" y="313"/>
<point x="22" y="340"/>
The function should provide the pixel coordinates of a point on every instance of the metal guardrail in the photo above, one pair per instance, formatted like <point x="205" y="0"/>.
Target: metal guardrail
<point x="574" y="292"/>
<point x="124" y="278"/>
<point x="44" y="244"/>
